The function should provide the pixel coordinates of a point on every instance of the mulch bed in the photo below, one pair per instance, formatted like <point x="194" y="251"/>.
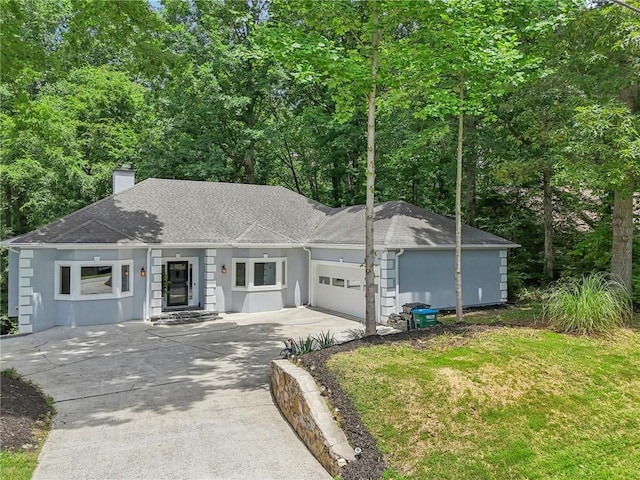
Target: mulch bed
<point x="23" y="413"/>
<point x="370" y="464"/>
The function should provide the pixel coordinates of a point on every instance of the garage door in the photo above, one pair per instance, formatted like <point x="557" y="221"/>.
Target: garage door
<point x="340" y="287"/>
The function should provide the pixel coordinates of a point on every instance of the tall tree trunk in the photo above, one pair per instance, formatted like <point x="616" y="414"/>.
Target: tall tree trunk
<point x="547" y="202"/>
<point x="621" y="250"/>
<point x="459" y="313"/>
<point x="370" y="292"/>
<point x="250" y="164"/>
<point x="471" y="161"/>
<point x="622" y="221"/>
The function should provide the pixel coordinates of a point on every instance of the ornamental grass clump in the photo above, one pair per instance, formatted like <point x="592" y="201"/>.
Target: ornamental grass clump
<point x="591" y="305"/>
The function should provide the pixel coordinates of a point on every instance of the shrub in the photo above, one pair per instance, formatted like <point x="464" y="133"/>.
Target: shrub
<point x="325" y="340"/>
<point x="308" y="344"/>
<point x="593" y="304"/>
<point x="8" y="325"/>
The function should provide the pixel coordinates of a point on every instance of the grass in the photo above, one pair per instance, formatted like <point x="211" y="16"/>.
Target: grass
<point x="527" y="314"/>
<point x="18" y="465"/>
<point x="508" y="403"/>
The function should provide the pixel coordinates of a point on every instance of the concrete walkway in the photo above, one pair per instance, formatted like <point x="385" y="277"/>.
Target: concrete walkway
<point x="180" y="402"/>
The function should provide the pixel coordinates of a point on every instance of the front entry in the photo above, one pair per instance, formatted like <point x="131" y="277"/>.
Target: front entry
<point x="177" y="283"/>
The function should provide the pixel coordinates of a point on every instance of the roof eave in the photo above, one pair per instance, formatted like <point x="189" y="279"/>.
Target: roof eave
<point x="466" y="246"/>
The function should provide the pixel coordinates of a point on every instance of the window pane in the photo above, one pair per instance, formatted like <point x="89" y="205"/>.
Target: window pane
<point x="264" y="273"/>
<point x="324" y="280"/>
<point x="284" y="273"/>
<point x="354" y="284"/>
<point x="338" y="282"/>
<point x="125" y="278"/>
<point x="241" y="280"/>
<point x="96" y="280"/>
<point x="65" y="280"/>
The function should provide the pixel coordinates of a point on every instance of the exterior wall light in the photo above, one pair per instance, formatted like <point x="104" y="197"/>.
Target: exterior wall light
<point x="143" y="272"/>
<point x="223" y="270"/>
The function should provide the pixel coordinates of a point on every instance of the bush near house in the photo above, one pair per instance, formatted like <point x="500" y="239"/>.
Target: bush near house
<point x="592" y="304"/>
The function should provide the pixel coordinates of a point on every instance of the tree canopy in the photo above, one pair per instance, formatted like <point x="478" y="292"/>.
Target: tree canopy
<point x="538" y="100"/>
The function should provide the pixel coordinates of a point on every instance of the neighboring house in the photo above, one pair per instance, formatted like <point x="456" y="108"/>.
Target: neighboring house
<point x="166" y="245"/>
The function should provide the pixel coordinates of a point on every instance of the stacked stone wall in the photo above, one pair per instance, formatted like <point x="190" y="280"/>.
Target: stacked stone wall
<point x="301" y="403"/>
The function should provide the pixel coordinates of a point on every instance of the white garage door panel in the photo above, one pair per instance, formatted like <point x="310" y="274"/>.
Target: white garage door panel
<point x="341" y="289"/>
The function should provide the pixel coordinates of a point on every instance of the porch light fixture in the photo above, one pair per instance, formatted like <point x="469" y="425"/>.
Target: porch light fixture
<point x="143" y="272"/>
<point x="223" y="270"/>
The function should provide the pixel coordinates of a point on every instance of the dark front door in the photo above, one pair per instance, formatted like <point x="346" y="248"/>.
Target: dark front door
<point x="178" y="278"/>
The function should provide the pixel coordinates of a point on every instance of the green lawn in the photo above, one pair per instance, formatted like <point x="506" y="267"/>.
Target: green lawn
<point x="508" y="403"/>
<point x="18" y="465"/>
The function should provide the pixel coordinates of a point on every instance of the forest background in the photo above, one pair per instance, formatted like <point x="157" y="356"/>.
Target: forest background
<point x="278" y="92"/>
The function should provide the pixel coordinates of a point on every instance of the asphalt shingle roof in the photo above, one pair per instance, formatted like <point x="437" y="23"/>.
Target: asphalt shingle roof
<point x="158" y="211"/>
<point x="399" y="224"/>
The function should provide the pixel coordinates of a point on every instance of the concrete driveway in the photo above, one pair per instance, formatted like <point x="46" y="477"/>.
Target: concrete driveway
<point x="136" y="401"/>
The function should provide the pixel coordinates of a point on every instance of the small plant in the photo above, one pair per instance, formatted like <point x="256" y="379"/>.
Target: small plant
<point x="592" y="304"/>
<point x="11" y="373"/>
<point x="325" y="340"/>
<point x="304" y="345"/>
<point x="355" y="333"/>
<point x="294" y="348"/>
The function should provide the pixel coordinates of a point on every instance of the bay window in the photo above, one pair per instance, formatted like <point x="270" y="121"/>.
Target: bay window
<point x="92" y="280"/>
<point x="259" y="273"/>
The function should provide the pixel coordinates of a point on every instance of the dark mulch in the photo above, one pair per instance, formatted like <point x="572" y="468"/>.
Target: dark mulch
<point x="370" y="464"/>
<point x="23" y="413"/>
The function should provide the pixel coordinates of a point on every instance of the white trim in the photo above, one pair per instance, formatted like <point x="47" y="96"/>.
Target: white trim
<point x="339" y="246"/>
<point x="281" y="265"/>
<point x="397" y="302"/>
<point x="342" y="246"/>
<point x="147" y="287"/>
<point x="75" y="275"/>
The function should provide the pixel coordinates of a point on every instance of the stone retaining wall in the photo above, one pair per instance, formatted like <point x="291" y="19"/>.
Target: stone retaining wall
<point x="301" y="403"/>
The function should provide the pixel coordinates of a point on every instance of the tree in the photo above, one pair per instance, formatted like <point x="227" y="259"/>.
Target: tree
<point x="460" y="55"/>
<point x="59" y="149"/>
<point x="346" y="58"/>
<point x="603" y="63"/>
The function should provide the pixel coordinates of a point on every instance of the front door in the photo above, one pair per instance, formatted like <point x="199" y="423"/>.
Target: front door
<point x="178" y="283"/>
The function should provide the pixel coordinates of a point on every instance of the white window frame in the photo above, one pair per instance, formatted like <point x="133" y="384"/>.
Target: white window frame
<point x="281" y="266"/>
<point x="75" y="277"/>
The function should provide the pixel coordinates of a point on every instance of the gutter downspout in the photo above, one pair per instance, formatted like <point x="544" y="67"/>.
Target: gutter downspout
<point x="147" y="286"/>
<point x="309" y="279"/>
<point x="398" y="279"/>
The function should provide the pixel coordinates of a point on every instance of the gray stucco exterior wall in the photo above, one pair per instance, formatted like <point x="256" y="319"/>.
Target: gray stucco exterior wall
<point x="40" y="309"/>
<point x="334" y="255"/>
<point x="12" y="300"/>
<point x="43" y="265"/>
<point x="295" y="293"/>
<point x="76" y="313"/>
<point x="429" y="277"/>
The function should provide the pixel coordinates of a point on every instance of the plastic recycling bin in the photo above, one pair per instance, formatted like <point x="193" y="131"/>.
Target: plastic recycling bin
<point x="424" y="317"/>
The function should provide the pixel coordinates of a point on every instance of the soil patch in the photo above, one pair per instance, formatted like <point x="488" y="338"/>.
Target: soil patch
<point x="23" y="415"/>
<point x="370" y="464"/>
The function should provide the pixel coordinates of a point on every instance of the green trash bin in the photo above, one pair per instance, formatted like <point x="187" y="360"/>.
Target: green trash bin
<point x="424" y="317"/>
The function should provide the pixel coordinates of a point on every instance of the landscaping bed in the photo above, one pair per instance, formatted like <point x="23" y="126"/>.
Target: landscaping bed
<point x="470" y="401"/>
<point x="24" y="421"/>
